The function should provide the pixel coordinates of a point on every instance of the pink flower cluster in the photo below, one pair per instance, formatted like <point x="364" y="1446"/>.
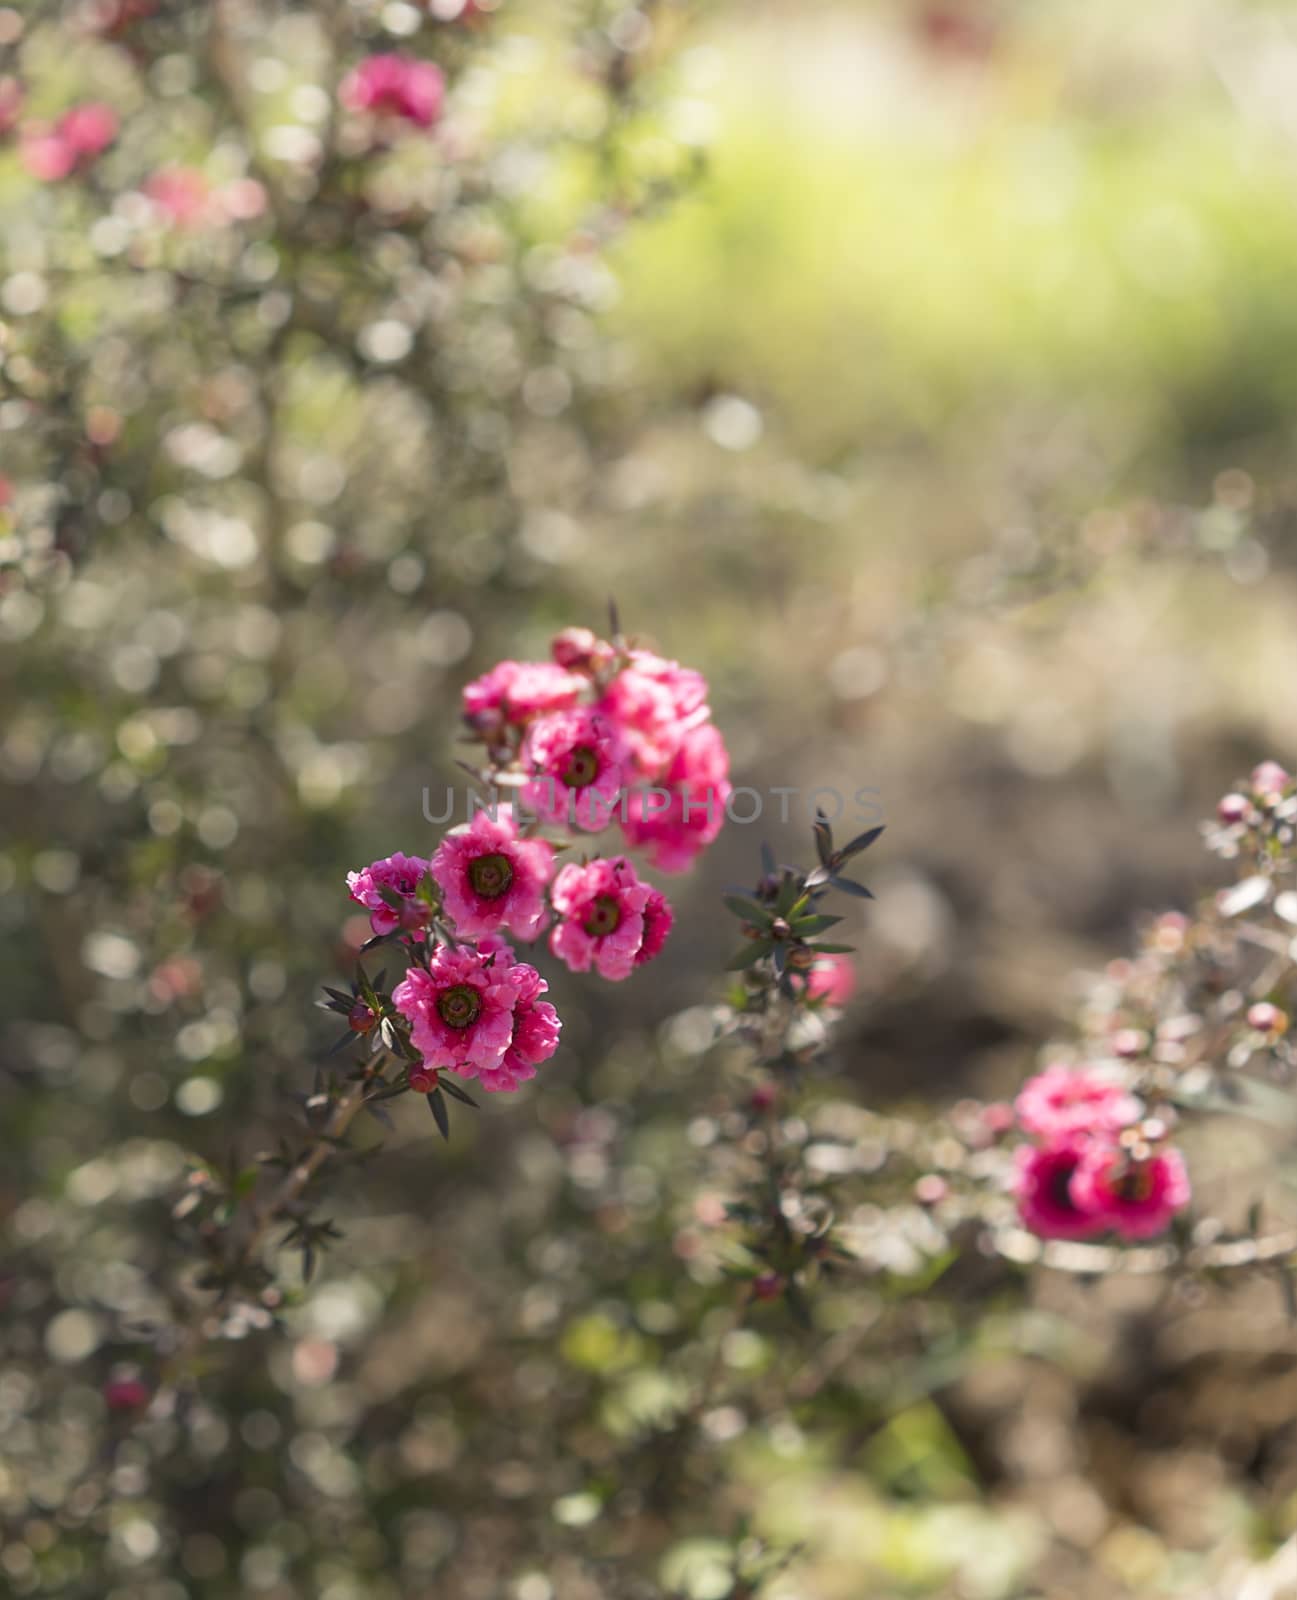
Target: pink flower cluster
<point x="1094" y="1168"/>
<point x="395" y="86"/>
<point x="68" y="146"/>
<point x="570" y="735"/>
<point x="600" y="731"/>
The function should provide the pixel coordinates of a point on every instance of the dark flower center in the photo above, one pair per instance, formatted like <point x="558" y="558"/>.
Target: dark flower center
<point x="1060" y="1186"/>
<point x="582" y="767"/>
<point x="490" y="875"/>
<point x="604" y="918"/>
<point x="1135" y="1184"/>
<point x="459" y="1006"/>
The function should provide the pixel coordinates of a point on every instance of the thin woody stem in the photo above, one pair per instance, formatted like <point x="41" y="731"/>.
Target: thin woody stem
<point x="276" y="1204"/>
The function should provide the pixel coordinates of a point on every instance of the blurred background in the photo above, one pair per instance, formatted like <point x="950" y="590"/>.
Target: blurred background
<point x="924" y="374"/>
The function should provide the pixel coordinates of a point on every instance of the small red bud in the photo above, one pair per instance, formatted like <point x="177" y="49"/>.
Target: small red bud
<point x="767" y="1286"/>
<point x="360" y="1019"/>
<point x="126" y="1394"/>
<point x="764" y="1096"/>
<point x="424" y="1079"/>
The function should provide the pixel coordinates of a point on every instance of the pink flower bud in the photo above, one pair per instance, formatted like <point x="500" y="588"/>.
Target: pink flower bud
<point x="767" y="1286"/>
<point x="1267" y="1018"/>
<point x="1233" y="808"/>
<point x="1269" y="779"/>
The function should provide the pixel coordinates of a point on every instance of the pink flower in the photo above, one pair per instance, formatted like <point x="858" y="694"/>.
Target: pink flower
<point x="832" y="979"/>
<point x="1270" y="779"/>
<point x="514" y="691"/>
<point x="675" y="828"/>
<point x="182" y="194"/>
<point x="396" y="86"/>
<point x="1042" y="1183"/>
<point x="658" y="921"/>
<point x="536" y="1028"/>
<point x="655" y="703"/>
<point x="401" y="876"/>
<point x="579" y="650"/>
<point x="461" y="1009"/>
<point x="1137" y="1196"/>
<point x="80" y="134"/>
<point x="1059" y="1102"/>
<point x="601" y="907"/>
<point x="577" y="765"/>
<point x="491" y="878"/>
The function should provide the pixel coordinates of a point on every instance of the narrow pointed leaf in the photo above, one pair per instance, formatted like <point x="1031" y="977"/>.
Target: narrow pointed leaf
<point x="437" y="1105"/>
<point x="862" y="841"/>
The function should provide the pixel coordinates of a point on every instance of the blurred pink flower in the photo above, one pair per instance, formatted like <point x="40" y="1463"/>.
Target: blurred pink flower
<point x="397" y="86"/>
<point x="655" y="703"/>
<point x="182" y="194"/>
<point x="1062" y="1101"/>
<point x="76" y="139"/>
<point x="1136" y="1196"/>
<point x="1042" y="1184"/>
<point x="513" y="691"/>
<point x="675" y="829"/>
<point x="832" y="979"/>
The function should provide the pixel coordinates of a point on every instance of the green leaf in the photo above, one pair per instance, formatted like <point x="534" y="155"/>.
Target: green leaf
<point x="747" y="910"/>
<point x="834" y="949"/>
<point x="437" y="1105"/>
<point x="862" y="841"/>
<point x="748" y="956"/>
<point x="815" y="924"/>
<point x="456" y="1093"/>
<point x="848" y="887"/>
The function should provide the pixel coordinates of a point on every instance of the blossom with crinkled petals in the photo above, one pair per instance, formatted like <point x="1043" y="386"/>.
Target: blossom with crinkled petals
<point x="461" y="1010"/>
<point x="401" y="876"/>
<point x="1062" y="1100"/>
<point x="658" y="921"/>
<point x="490" y="877"/>
<point x="1042" y="1185"/>
<point x="676" y="826"/>
<point x="397" y="86"/>
<point x="655" y="703"/>
<point x="536" y="1025"/>
<point x="577" y="765"/>
<point x="601" y="910"/>
<point x="1136" y="1195"/>
<point x="515" y="691"/>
